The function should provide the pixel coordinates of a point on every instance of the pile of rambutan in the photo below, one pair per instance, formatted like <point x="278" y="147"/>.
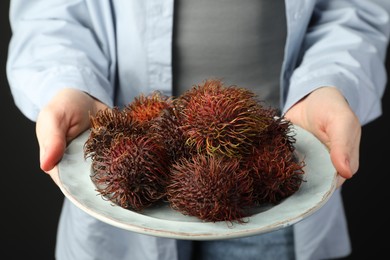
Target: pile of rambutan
<point x="215" y="152"/>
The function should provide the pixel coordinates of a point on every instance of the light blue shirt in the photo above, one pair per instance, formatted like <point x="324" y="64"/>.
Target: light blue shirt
<point x="62" y="43"/>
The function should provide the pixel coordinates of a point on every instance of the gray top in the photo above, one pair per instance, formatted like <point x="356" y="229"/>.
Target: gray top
<point x="242" y="44"/>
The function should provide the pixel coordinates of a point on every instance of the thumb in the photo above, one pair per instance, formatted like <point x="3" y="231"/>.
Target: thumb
<point x="51" y="147"/>
<point x="341" y="160"/>
<point x="344" y="150"/>
<point x="51" y="139"/>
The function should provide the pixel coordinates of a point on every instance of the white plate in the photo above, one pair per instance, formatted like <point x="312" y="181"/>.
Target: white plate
<point x="320" y="183"/>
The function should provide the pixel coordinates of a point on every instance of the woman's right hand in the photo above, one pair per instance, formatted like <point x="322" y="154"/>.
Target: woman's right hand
<point x="63" y="119"/>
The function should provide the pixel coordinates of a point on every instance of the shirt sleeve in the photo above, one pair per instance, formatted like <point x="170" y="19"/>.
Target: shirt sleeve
<point x="345" y="47"/>
<point x="57" y="44"/>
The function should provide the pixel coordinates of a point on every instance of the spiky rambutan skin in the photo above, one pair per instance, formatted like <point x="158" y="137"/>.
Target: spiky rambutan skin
<point x="143" y="108"/>
<point x="154" y="113"/>
<point x="218" y="119"/>
<point x="212" y="188"/>
<point x="133" y="172"/>
<point x="167" y="128"/>
<point x="278" y="133"/>
<point x="105" y="125"/>
<point x="276" y="172"/>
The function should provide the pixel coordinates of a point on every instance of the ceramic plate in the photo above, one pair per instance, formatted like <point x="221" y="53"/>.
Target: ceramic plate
<point x="319" y="184"/>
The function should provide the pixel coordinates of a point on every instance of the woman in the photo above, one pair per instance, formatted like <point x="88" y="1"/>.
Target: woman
<point x="320" y="62"/>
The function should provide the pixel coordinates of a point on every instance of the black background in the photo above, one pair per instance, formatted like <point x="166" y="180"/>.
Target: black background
<point x="31" y="203"/>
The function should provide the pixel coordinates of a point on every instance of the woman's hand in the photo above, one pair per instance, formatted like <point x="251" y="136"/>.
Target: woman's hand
<point x="64" y="118"/>
<point x="327" y="115"/>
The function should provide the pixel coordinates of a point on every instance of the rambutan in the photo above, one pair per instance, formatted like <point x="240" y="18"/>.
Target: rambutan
<point x="212" y="188"/>
<point x="218" y="119"/>
<point x="154" y="113"/>
<point x="278" y="133"/>
<point x="144" y="109"/>
<point x="131" y="150"/>
<point x="132" y="173"/>
<point x="276" y="173"/>
<point x="166" y="127"/>
<point x="105" y="125"/>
